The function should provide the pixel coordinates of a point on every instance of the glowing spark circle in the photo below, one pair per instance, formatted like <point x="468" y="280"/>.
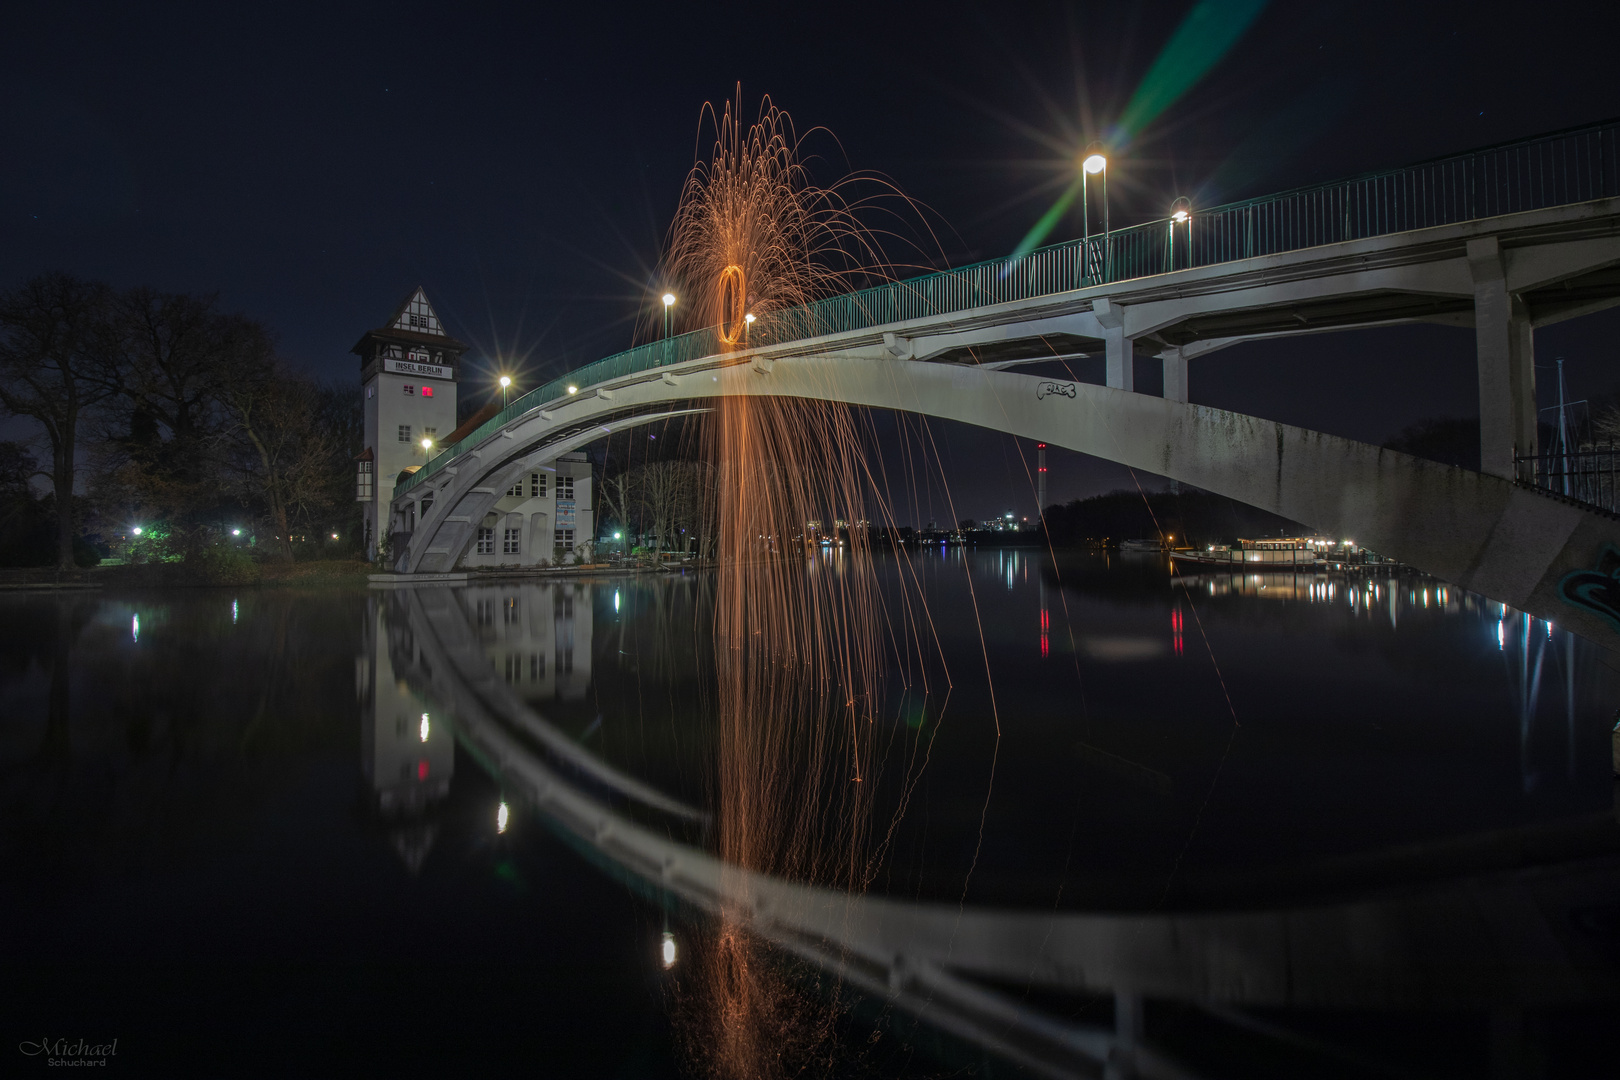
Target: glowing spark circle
<point x="733" y="298"/>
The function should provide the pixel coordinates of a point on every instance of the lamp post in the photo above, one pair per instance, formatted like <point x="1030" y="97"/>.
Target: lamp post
<point x="669" y="302"/>
<point x="506" y="381"/>
<point x="1095" y="162"/>
<point x="748" y="323"/>
<point x="1180" y="214"/>
<point x="427" y="447"/>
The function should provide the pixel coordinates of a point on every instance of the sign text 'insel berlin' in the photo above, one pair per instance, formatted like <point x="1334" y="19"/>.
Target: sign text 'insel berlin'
<point x="407" y="367"/>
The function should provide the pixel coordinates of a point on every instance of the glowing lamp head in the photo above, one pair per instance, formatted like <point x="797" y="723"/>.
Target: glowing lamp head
<point x="669" y="299"/>
<point x="502" y="816"/>
<point x="505" y="382"/>
<point x="136" y="530"/>
<point x="615" y="536"/>
<point x="334" y="536"/>
<point x="236" y="532"/>
<point x="667" y="950"/>
<point x="427" y="444"/>
<point x="749" y="318"/>
<point x="1094" y="163"/>
<point x="1180" y="216"/>
<point x="1181" y="210"/>
<point x="573" y="389"/>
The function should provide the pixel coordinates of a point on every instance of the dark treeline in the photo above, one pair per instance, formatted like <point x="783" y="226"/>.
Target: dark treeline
<point x="1192" y="517"/>
<point x="161" y="409"/>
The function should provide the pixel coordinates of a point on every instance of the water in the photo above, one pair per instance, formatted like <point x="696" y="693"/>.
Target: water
<point x="263" y="827"/>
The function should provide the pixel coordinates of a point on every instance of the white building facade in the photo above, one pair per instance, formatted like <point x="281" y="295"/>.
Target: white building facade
<point x="544" y="519"/>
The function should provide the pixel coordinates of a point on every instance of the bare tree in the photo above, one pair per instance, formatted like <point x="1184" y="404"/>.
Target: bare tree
<point x="56" y="365"/>
<point x="282" y="448"/>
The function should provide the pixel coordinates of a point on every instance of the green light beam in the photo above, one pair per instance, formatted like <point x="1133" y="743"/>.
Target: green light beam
<point x="1207" y="33"/>
<point x="1048" y="222"/>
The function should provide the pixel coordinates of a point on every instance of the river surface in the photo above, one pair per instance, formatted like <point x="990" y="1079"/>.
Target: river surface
<point x="300" y="831"/>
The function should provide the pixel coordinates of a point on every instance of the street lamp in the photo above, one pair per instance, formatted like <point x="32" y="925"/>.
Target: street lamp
<point x="748" y="322"/>
<point x="1095" y="162"/>
<point x="506" y="381"/>
<point x="572" y="389"/>
<point x="1180" y="214"/>
<point x="427" y="446"/>
<point x="669" y="302"/>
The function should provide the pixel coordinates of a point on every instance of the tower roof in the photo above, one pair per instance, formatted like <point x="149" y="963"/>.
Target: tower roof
<point x="414" y="322"/>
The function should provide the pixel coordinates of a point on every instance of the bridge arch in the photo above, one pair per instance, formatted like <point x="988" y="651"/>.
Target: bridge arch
<point x="1475" y="530"/>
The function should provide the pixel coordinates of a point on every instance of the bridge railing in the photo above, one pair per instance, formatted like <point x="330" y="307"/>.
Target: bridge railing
<point x="1531" y="174"/>
<point x="1589" y="475"/>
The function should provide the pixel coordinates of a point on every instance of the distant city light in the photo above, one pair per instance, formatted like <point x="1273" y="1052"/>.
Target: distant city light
<point x="334" y="536"/>
<point x="501" y="817"/>
<point x="668" y="950"/>
<point x="135" y="628"/>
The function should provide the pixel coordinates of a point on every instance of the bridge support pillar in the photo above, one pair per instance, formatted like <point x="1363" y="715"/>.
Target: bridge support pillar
<point x="1175" y="375"/>
<point x="1506" y="356"/>
<point x="1121" y="369"/>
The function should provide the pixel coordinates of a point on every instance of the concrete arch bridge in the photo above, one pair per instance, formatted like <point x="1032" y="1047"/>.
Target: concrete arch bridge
<point x="1462" y="241"/>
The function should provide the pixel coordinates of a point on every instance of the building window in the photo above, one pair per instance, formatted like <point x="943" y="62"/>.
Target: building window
<point x="565" y="659"/>
<point x="427" y="391"/>
<point x="370" y="390"/>
<point x="514" y="669"/>
<point x="565" y="537"/>
<point x="431" y="433"/>
<point x="537" y="667"/>
<point x="404" y="433"/>
<point x="565" y="487"/>
<point x="419" y="322"/>
<point x="363" y="482"/>
<point x="509" y="546"/>
<point x="427" y="504"/>
<point x="410" y="390"/>
<point x="486" y="541"/>
<point x="516" y="489"/>
<point x="486" y="613"/>
<point x="537" y="485"/>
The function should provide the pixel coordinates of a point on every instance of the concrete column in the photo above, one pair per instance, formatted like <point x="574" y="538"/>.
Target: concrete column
<point x="1121" y="371"/>
<point x="1175" y="375"/>
<point x="1121" y="1063"/>
<point x="1506" y="358"/>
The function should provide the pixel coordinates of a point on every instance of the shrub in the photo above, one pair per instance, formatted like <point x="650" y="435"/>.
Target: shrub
<point x="221" y="564"/>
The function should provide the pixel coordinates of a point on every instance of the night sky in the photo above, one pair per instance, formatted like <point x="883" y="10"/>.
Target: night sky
<point x="311" y="165"/>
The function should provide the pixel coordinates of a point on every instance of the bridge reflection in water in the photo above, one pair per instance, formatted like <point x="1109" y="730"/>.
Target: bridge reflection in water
<point x="1441" y="926"/>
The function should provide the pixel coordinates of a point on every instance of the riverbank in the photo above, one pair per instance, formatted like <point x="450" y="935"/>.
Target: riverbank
<point x="320" y="574"/>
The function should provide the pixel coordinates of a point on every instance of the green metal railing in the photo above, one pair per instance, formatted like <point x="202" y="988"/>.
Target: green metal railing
<point x="1548" y="170"/>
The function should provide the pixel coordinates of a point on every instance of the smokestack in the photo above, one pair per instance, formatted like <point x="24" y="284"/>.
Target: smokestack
<point x="1040" y="480"/>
